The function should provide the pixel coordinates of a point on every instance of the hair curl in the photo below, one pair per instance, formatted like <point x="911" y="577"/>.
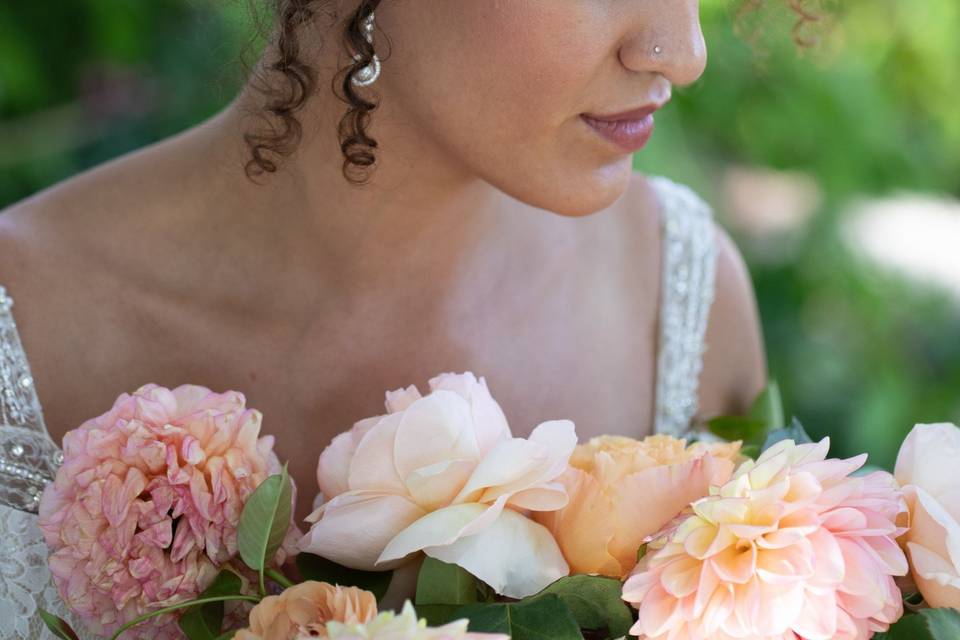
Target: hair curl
<point x="296" y="81"/>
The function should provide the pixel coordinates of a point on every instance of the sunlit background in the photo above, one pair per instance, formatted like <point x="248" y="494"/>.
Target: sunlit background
<point x="835" y="167"/>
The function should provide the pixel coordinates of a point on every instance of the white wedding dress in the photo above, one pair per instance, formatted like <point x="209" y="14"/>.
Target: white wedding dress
<point x="29" y="458"/>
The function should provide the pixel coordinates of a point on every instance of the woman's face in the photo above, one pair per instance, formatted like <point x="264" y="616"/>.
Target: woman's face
<point x="499" y="86"/>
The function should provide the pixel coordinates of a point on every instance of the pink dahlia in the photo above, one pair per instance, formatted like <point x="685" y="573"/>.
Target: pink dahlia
<point x="146" y="504"/>
<point x="792" y="547"/>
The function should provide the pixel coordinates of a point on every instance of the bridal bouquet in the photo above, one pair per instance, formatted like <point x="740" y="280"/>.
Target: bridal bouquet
<point x="171" y="517"/>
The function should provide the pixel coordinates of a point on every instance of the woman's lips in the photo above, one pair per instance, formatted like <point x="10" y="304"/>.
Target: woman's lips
<point x="630" y="135"/>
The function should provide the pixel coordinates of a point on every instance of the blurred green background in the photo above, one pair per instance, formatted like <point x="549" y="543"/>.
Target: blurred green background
<point x="836" y="168"/>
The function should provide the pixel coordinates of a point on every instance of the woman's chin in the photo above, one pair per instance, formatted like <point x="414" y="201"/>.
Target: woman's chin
<point x="595" y="191"/>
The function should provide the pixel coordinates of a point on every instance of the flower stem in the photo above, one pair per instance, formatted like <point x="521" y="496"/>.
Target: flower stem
<point x="279" y="578"/>
<point x="182" y="605"/>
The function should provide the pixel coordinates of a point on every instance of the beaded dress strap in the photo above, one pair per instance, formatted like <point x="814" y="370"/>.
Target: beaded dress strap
<point x="687" y="292"/>
<point x="28" y="456"/>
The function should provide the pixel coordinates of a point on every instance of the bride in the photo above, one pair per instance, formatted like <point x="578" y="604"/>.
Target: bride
<point x="501" y="230"/>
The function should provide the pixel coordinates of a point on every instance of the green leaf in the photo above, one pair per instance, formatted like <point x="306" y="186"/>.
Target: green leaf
<point x="264" y="521"/>
<point x="441" y="583"/>
<point x="764" y="417"/>
<point x="794" y="432"/>
<point x="57" y="625"/>
<point x="203" y="622"/>
<point x="438" y="615"/>
<point x="768" y="407"/>
<point x="750" y="450"/>
<point x="737" y="428"/>
<point x="227" y="635"/>
<point x="595" y="602"/>
<point x="927" y="624"/>
<point x="313" y="567"/>
<point x="541" y="617"/>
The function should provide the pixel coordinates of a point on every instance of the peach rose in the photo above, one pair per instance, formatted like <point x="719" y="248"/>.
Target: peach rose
<point x="441" y="474"/>
<point x="304" y="610"/>
<point x="623" y="490"/>
<point x="927" y="470"/>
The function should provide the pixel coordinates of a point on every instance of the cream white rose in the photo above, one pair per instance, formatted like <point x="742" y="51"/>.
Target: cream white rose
<point x="928" y="469"/>
<point x="441" y="474"/>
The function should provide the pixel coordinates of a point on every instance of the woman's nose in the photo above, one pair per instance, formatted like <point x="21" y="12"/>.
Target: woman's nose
<point x="667" y="39"/>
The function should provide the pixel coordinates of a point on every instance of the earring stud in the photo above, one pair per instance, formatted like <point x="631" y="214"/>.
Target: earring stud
<point x="368" y="74"/>
<point x="657" y="50"/>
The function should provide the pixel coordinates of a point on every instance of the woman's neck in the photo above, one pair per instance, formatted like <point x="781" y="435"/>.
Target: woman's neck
<point x="419" y="227"/>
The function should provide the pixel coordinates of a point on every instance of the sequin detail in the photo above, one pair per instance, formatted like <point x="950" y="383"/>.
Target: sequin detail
<point x="687" y="292"/>
<point x="28" y="457"/>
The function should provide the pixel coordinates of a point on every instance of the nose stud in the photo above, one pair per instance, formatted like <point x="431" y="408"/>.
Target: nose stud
<point x="658" y="50"/>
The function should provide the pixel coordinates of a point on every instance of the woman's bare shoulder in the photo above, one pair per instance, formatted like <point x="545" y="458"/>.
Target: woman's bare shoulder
<point x="110" y="222"/>
<point x="80" y="260"/>
<point x="53" y="241"/>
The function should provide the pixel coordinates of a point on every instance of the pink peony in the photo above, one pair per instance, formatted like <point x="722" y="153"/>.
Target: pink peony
<point x="441" y="474"/>
<point x="791" y="547"/>
<point x="146" y="504"/>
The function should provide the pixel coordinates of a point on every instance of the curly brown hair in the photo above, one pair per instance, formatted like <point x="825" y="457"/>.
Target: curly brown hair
<point x="288" y="83"/>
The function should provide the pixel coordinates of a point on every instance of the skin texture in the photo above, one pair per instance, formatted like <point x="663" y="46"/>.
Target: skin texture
<point x="499" y="235"/>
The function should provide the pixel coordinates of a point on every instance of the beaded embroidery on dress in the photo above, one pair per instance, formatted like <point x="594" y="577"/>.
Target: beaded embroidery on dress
<point x="28" y="461"/>
<point x="687" y="292"/>
<point x="29" y="458"/>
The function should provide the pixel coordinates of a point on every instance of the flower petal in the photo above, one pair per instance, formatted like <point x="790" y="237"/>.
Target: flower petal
<point x="517" y="464"/>
<point x="333" y="468"/>
<point x="514" y="555"/>
<point x="488" y="418"/>
<point x="435" y="486"/>
<point x="400" y="399"/>
<point x="355" y="527"/>
<point x="544" y="497"/>
<point x="584" y="526"/>
<point x="372" y="467"/>
<point x="434" y="429"/>
<point x="441" y="527"/>
<point x="928" y="458"/>
<point x="647" y="500"/>
<point x="933" y="541"/>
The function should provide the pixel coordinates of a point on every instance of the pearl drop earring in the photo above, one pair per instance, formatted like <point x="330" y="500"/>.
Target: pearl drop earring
<point x="368" y="74"/>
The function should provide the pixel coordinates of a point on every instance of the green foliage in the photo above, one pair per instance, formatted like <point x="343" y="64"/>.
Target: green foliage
<point x="446" y="592"/>
<point x="264" y="522"/>
<point x="542" y="617"/>
<point x="57" y="625"/>
<point x="764" y="419"/>
<point x="596" y="603"/>
<point x="442" y="583"/>
<point x="927" y="624"/>
<point x="794" y="432"/>
<point x="314" y="567"/>
<point x="204" y="622"/>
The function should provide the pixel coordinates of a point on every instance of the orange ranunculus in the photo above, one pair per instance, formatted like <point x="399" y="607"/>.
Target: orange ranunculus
<point x="623" y="490"/>
<point x="304" y="610"/>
